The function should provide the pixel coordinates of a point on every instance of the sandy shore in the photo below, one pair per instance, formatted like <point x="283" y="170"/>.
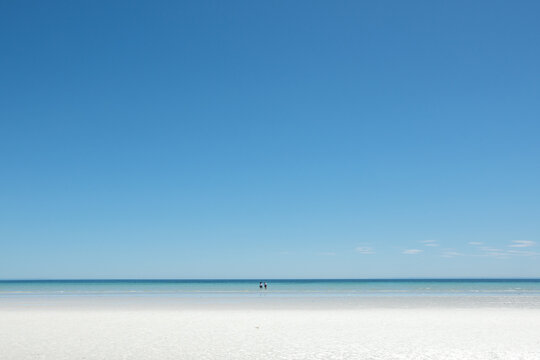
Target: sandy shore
<point x="78" y="328"/>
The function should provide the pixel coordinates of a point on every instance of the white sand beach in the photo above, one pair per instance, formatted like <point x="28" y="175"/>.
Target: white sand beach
<point x="153" y="329"/>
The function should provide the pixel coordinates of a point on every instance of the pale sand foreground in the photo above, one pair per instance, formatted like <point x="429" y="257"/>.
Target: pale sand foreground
<point x="294" y="332"/>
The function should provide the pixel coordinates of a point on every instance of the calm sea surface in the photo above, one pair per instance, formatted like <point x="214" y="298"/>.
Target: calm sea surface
<point x="276" y="287"/>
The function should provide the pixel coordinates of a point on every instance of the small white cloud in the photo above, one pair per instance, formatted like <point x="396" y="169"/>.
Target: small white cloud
<point x="523" y="253"/>
<point x="365" y="250"/>
<point x="412" y="251"/>
<point x="451" y="254"/>
<point x="490" y="249"/>
<point x="522" y="243"/>
<point x="493" y="252"/>
<point x="430" y="243"/>
<point x="476" y="243"/>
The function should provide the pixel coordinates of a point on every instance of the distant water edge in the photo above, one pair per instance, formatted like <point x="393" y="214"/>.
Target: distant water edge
<point x="276" y="287"/>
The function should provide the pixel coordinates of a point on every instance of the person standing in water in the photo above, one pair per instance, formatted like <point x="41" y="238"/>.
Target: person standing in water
<point x="260" y="284"/>
<point x="265" y="285"/>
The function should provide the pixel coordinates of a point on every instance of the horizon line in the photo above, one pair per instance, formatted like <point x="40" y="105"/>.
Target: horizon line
<point x="270" y="279"/>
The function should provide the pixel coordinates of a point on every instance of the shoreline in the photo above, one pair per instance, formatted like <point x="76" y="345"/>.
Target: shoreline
<point x="265" y="302"/>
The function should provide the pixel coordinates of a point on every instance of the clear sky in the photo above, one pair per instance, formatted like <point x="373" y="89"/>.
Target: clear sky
<point x="285" y="139"/>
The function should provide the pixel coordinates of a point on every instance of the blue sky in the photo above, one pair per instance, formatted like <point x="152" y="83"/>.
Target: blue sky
<point x="251" y="139"/>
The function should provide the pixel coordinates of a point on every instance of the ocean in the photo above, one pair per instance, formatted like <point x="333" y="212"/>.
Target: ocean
<point x="276" y="287"/>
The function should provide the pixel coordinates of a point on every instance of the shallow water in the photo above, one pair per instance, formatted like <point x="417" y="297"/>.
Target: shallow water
<point x="276" y="287"/>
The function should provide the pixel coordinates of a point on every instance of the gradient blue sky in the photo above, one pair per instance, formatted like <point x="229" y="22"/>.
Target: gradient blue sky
<point x="248" y="139"/>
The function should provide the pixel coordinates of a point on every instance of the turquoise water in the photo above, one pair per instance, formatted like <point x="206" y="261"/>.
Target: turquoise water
<point x="276" y="287"/>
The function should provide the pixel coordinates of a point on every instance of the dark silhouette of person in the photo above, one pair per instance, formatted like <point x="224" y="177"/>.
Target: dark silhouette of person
<point x="260" y="284"/>
<point x="265" y="285"/>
